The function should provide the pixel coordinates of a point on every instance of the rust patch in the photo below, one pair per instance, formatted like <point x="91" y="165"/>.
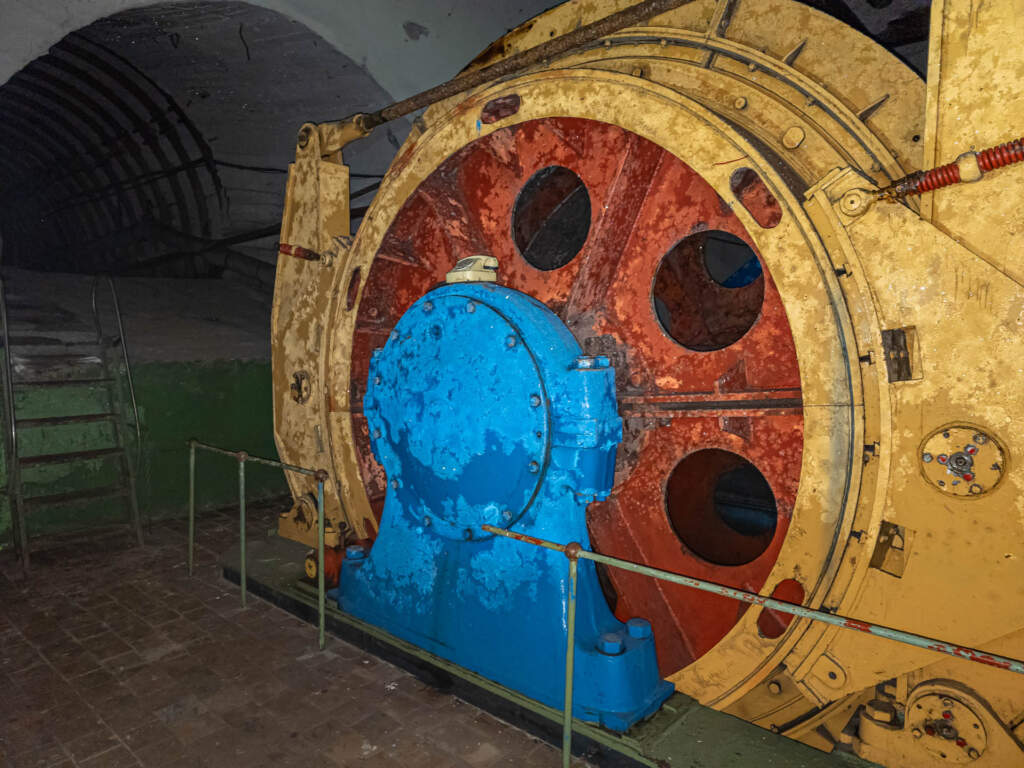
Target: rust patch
<point x="500" y="108"/>
<point x="772" y="624"/>
<point x="753" y="195"/>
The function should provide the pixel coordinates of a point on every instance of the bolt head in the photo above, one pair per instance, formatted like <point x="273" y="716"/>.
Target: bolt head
<point x="610" y="644"/>
<point x="471" y="306"/>
<point x="926" y="458"/>
<point x="973" y="753"/>
<point x="534" y="467"/>
<point x="774" y="688"/>
<point x="535" y="401"/>
<point x="394" y="482"/>
<point x="510" y="341"/>
<point x="639" y="628"/>
<point x="917" y="733"/>
<point x="376" y="434"/>
<point x="428" y="306"/>
<point x="506" y="515"/>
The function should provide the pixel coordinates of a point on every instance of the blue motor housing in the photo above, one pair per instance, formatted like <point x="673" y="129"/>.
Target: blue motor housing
<point x="483" y="409"/>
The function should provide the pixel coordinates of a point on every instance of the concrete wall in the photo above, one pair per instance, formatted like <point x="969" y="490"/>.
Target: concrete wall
<point x="224" y="403"/>
<point x="201" y="367"/>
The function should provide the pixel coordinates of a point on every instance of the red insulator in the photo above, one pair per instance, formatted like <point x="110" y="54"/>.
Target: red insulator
<point x="925" y="181"/>
<point x="937" y="178"/>
<point x="1004" y="154"/>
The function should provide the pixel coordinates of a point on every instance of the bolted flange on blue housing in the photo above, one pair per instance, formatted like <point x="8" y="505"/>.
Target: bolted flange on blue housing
<point x="482" y="409"/>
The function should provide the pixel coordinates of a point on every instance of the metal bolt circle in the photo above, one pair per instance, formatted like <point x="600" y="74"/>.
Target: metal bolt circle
<point x="534" y="467"/>
<point x="376" y="433"/>
<point x="926" y="458"/>
<point x="471" y="306"/>
<point x="510" y="341"/>
<point x="535" y="400"/>
<point x="428" y="306"/>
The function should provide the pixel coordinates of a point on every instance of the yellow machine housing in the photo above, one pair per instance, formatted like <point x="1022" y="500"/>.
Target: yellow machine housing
<point x="823" y="116"/>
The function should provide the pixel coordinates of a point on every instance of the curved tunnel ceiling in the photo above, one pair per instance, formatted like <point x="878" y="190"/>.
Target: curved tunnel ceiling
<point x="157" y="139"/>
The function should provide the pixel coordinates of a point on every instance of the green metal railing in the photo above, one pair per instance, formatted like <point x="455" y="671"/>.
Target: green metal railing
<point x="574" y="551"/>
<point x="242" y="457"/>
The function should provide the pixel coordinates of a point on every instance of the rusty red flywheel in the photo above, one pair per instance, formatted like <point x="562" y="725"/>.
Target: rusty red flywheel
<point x="647" y="264"/>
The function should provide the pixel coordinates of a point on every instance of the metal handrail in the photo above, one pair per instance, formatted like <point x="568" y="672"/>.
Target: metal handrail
<point x="574" y="551"/>
<point x="13" y="472"/>
<point x="124" y="355"/>
<point x="242" y="457"/>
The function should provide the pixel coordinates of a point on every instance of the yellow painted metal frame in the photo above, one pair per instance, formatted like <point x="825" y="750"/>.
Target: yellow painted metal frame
<point x="817" y="110"/>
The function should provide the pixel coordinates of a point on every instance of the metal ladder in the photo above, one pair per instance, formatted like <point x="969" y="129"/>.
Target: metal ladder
<point x="79" y="370"/>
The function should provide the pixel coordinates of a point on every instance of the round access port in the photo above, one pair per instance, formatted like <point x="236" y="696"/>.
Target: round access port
<point x="551" y="218"/>
<point x="721" y="507"/>
<point x="708" y="290"/>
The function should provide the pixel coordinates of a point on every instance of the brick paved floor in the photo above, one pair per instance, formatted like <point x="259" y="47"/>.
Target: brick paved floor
<point x="111" y="656"/>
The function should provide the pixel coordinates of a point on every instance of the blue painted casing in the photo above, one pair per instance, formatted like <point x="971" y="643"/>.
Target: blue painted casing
<point x="482" y="408"/>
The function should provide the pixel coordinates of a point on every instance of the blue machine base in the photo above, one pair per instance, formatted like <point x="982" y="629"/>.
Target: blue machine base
<point x="483" y="409"/>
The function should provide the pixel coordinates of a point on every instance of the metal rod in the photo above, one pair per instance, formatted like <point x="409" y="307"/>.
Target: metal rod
<point x="241" y="525"/>
<point x="570" y="657"/>
<point x="13" y="470"/>
<point x="127" y="371"/>
<point x="320" y="561"/>
<point x="255" y="459"/>
<point x="191" y="502"/>
<point x="909" y="638"/>
<point x="518" y="62"/>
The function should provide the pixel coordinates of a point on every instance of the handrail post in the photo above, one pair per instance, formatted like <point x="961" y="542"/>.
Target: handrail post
<point x="13" y="471"/>
<point x="191" y="503"/>
<point x="321" y="476"/>
<point x="572" y="553"/>
<point x="127" y="373"/>
<point x="242" y="456"/>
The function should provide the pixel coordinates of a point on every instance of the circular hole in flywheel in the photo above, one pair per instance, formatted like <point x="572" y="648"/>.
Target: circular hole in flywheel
<point x="708" y="290"/>
<point x="551" y="217"/>
<point x="721" y="507"/>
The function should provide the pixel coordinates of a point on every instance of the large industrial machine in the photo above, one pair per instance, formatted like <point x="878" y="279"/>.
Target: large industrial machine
<point x="709" y="315"/>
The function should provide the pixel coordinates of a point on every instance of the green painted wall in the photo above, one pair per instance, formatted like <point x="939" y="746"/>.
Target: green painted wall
<point x="225" y="403"/>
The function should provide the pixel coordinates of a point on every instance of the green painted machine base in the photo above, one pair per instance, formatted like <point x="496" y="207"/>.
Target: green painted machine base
<point x="681" y="733"/>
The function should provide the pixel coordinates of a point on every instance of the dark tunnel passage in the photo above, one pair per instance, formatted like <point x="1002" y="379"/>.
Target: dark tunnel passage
<point x="156" y="141"/>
